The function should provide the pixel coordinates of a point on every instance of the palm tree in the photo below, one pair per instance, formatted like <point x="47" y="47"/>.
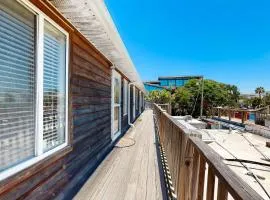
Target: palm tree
<point x="260" y="91"/>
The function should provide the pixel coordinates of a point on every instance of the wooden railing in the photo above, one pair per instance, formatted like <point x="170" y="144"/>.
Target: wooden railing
<point x="166" y="107"/>
<point x="196" y="170"/>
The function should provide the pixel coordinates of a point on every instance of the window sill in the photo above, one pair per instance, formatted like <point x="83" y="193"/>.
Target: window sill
<point x="35" y="167"/>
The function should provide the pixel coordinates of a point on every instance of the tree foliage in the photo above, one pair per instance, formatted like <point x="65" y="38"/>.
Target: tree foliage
<point x="215" y="94"/>
<point x="186" y="100"/>
<point x="256" y="102"/>
<point x="160" y="96"/>
<point x="260" y="91"/>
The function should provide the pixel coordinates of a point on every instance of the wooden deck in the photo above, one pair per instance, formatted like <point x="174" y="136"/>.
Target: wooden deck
<point x="129" y="172"/>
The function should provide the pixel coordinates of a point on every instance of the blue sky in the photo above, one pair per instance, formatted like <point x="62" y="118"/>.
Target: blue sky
<point x="224" y="40"/>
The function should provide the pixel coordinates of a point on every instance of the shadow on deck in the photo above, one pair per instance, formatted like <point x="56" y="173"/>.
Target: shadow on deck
<point x="132" y="170"/>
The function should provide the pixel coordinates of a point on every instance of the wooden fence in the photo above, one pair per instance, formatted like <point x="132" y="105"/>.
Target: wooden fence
<point x="259" y="114"/>
<point x="196" y="169"/>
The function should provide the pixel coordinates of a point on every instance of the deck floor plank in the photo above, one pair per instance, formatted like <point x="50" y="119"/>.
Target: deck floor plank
<point x="128" y="173"/>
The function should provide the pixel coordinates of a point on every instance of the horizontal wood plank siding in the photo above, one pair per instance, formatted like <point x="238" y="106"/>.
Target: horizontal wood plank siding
<point x="90" y="127"/>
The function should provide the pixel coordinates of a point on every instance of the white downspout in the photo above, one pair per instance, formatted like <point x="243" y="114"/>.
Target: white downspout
<point x="129" y="123"/>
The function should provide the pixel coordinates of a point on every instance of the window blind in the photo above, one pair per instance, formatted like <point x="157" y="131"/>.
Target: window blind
<point x="17" y="84"/>
<point x="54" y="87"/>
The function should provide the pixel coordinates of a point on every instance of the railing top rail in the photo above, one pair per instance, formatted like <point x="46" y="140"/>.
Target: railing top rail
<point x="235" y="185"/>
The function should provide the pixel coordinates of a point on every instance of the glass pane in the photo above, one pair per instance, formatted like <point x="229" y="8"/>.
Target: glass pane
<point x="179" y="83"/>
<point x="116" y="90"/>
<point x="54" y="94"/>
<point x="164" y="82"/>
<point x="137" y="99"/>
<point x="116" y="119"/>
<point x="125" y="97"/>
<point x="171" y="83"/>
<point x="17" y="84"/>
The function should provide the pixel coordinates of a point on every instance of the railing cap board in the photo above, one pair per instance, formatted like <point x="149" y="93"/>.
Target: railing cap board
<point x="234" y="184"/>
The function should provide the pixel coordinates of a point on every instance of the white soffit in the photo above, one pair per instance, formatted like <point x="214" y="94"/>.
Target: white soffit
<point x="93" y="20"/>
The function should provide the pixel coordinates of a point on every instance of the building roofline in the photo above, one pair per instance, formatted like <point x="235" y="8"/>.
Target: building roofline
<point x="158" y="86"/>
<point x="179" y="77"/>
<point x="93" y="20"/>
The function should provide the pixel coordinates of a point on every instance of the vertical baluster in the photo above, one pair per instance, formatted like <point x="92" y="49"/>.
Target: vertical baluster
<point x="222" y="191"/>
<point x="201" y="178"/>
<point x="195" y="175"/>
<point x="210" y="184"/>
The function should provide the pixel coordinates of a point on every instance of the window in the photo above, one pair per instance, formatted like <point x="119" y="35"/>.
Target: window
<point x="33" y="87"/>
<point x="171" y="83"/>
<point x="140" y="95"/>
<point x="54" y="87"/>
<point x="179" y="83"/>
<point x="137" y="99"/>
<point x="125" y="97"/>
<point x="163" y="82"/>
<point x="116" y="105"/>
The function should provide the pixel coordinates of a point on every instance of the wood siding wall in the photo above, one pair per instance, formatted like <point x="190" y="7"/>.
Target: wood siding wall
<point x="62" y="174"/>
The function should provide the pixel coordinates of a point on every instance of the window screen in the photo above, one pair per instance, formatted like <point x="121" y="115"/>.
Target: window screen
<point x="17" y="84"/>
<point x="54" y="87"/>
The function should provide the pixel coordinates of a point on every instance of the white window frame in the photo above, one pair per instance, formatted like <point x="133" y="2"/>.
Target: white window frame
<point x="125" y="97"/>
<point x="114" y="135"/>
<point x="39" y="155"/>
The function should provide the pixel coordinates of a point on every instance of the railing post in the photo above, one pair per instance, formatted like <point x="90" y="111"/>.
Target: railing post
<point x="219" y="113"/>
<point x="243" y="117"/>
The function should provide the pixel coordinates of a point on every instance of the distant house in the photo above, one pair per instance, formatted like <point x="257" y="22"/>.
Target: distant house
<point x="68" y="91"/>
<point x="249" y="96"/>
<point x="169" y="82"/>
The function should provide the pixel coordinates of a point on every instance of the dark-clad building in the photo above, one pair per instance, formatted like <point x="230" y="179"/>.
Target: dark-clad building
<point x="168" y="82"/>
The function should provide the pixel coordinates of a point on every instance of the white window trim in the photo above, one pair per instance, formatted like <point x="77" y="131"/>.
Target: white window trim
<point x="125" y="99"/>
<point x="39" y="85"/>
<point x="114" y="136"/>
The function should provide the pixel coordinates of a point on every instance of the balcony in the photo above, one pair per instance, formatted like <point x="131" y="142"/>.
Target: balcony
<point x="164" y="161"/>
